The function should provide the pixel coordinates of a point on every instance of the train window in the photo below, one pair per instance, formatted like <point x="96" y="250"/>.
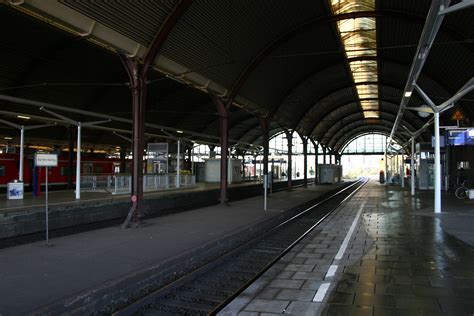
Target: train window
<point x="2" y="170"/>
<point x="87" y="168"/>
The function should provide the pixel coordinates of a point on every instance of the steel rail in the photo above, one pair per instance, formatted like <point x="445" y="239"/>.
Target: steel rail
<point x="166" y="289"/>
<point x="288" y="249"/>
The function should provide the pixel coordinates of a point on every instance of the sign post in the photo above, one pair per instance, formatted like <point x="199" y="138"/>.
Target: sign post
<point x="46" y="160"/>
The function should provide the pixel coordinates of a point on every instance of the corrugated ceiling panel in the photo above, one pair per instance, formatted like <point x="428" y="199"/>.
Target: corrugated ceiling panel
<point x="219" y="38"/>
<point x="311" y="90"/>
<point x="138" y="20"/>
<point x="313" y="49"/>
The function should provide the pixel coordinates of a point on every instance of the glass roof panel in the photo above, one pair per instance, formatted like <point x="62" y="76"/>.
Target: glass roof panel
<point x="369" y="104"/>
<point x="347" y="6"/>
<point x="371" y="114"/>
<point x="358" y="36"/>
<point x="359" y="39"/>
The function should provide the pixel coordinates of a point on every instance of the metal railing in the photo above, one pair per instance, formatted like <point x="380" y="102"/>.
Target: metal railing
<point x="122" y="183"/>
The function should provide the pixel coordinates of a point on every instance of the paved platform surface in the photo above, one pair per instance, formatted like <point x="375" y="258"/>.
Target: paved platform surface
<point x="396" y="260"/>
<point x="34" y="275"/>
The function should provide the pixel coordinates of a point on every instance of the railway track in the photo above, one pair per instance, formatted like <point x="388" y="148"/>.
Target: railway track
<point x="208" y="289"/>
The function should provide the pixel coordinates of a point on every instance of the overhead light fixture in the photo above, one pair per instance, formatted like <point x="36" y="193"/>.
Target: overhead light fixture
<point x="179" y="132"/>
<point x="23" y="117"/>
<point x="408" y="94"/>
<point x="8" y="138"/>
<point x="424" y="111"/>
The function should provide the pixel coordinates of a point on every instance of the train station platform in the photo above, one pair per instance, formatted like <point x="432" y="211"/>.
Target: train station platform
<point x="98" y="209"/>
<point x="67" y="197"/>
<point x="382" y="252"/>
<point x="79" y="270"/>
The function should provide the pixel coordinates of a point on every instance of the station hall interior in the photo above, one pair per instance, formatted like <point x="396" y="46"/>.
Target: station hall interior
<point x="236" y="157"/>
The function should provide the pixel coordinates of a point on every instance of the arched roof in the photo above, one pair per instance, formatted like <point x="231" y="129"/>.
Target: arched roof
<point x="278" y="57"/>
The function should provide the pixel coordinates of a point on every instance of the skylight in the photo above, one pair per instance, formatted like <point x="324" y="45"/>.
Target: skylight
<point x="359" y="38"/>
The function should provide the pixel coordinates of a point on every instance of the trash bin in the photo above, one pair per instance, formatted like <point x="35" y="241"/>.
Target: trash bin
<point x="382" y="176"/>
<point x="15" y="190"/>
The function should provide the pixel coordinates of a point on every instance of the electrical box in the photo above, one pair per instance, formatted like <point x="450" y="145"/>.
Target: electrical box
<point x="328" y="173"/>
<point x="212" y="170"/>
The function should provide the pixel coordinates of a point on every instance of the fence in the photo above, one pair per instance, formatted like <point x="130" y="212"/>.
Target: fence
<point x="122" y="184"/>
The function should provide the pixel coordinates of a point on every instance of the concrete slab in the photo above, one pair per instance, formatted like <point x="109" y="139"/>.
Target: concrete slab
<point x="381" y="253"/>
<point x="34" y="275"/>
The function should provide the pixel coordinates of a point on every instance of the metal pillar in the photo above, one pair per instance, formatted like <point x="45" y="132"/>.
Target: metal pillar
<point x="123" y="156"/>
<point x="255" y="167"/>
<point x="22" y="129"/>
<point x="78" y="162"/>
<point x="223" y="112"/>
<point x="22" y="141"/>
<point x="178" y="177"/>
<point x="437" y="161"/>
<point x="192" y="159"/>
<point x="78" y="157"/>
<point x="412" y="167"/>
<point x="289" y="138"/>
<point x="324" y="154"/>
<point x="316" y="154"/>
<point x="70" y="158"/>
<point x="305" y="161"/>
<point x="386" y="167"/>
<point x="402" y="171"/>
<point x="138" y="76"/>
<point x="266" y="140"/>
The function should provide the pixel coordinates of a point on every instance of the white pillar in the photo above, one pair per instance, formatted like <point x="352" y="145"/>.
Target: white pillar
<point x="78" y="162"/>
<point x="192" y="160"/>
<point x="402" y="171"/>
<point x="178" y="179"/>
<point x="437" y="167"/>
<point x="22" y="138"/>
<point x="230" y="170"/>
<point x="412" y="167"/>
<point x="386" y="168"/>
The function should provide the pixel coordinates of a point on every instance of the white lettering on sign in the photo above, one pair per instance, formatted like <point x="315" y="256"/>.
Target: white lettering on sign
<point x="46" y="160"/>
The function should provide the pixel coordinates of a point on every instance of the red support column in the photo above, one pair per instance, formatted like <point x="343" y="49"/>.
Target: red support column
<point x="138" y="87"/>
<point x="138" y="76"/>
<point x="223" y="112"/>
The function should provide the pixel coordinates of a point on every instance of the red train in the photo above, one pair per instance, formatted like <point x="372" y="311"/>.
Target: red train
<point x="57" y="176"/>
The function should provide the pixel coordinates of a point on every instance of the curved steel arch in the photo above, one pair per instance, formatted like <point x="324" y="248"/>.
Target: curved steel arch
<point x="347" y="112"/>
<point x="348" y="129"/>
<point x="313" y="75"/>
<point x="386" y="118"/>
<point x="358" y="131"/>
<point x="331" y="109"/>
<point x="267" y="50"/>
<point x="249" y="123"/>
<point x="271" y="132"/>
<point x="386" y="134"/>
